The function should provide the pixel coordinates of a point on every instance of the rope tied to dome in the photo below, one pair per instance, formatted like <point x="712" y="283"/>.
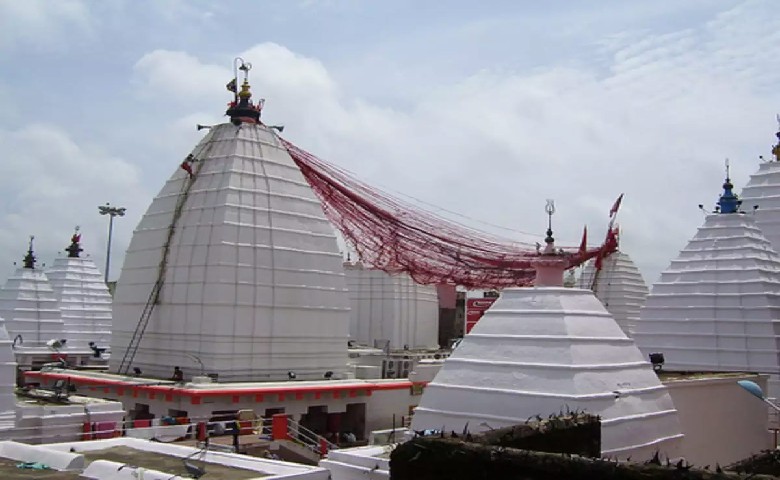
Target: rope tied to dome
<point x="395" y="237"/>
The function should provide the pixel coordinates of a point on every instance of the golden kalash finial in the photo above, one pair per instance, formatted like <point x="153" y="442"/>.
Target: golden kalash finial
<point x="244" y="67"/>
<point x="245" y="93"/>
<point x="242" y="109"/>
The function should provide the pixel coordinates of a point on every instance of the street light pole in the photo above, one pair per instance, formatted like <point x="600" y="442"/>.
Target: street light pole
<point x="112" y="212"/>
<point x="754" y="389"/>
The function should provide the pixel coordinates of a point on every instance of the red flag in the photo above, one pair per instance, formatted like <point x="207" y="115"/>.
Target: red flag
<point x="584" y="242"/>
<point x="615" y="206"/>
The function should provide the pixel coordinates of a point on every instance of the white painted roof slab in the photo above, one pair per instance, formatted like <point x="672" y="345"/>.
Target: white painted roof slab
<point x="29" y="307"/>
<point x="538" y="351"/>
<point x="254" y="285"/>
<point x="717" y="306"/>
<point x="619" y="286"/>
<point x="84" y="300"/>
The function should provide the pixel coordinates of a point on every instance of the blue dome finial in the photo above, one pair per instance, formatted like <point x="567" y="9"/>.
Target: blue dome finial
<point x="728" y="202"/>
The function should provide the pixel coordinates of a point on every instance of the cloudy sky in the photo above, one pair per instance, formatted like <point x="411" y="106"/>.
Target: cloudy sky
<point x="481" y="108"/>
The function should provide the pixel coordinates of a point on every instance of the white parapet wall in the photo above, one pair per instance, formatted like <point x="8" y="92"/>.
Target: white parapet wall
<point x="722" y="423"/>
<point x="41" y="422"/>
<point x="391" y="308"/>
<point x="372" y="462"/>
<point x="267" y="469"/>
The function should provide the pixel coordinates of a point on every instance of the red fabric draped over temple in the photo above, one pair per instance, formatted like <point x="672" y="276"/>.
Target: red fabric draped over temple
<point x="396" y="237"/>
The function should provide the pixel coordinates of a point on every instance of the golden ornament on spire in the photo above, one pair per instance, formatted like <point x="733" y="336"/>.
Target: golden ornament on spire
<point x="245" y="93"/>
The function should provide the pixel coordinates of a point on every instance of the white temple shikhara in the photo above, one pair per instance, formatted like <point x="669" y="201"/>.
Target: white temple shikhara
<point x="620" y="287"/>
<point x="545" y="349"/>
<point x="233" y="270"/>
<point x="391" y="308"/>
<point x="83" y="296"/>
<point x="29" y="307"/>
<point x="717" y="306"/>
<point x="761" y="196"/>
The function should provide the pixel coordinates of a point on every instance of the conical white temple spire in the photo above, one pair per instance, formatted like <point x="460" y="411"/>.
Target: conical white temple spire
<point x="235" y="264"/>
<point x="761" y="196"/>
<point x="540" y="350"/>
<point x="619" y="286"/>
<point x="83" y="297"/>
<point x="28" y="305"/>
<point x="716" y="307"/>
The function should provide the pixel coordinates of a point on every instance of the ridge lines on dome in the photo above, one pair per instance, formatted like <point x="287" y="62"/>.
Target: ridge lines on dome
<point x="554" y="366"/>
<point x="636" y="416"/>
<point x="533" y="393"/>
<point x="614" y="451"/>
<point x="530" y="312"/>
<point x="562" y="336"/>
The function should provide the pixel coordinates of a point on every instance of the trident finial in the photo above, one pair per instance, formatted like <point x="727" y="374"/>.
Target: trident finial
<point x="550" y="209"/>
<point x="29" y="259"/>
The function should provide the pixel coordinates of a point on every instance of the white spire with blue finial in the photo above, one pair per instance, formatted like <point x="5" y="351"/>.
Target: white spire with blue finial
<point x="728" y="201"/>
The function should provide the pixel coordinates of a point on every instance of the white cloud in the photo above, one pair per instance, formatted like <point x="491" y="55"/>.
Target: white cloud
<point x="41" y="23"/>
<point x="496" y="144"/>
<point x="55" y="184"/>
<point x="651" y="111"/>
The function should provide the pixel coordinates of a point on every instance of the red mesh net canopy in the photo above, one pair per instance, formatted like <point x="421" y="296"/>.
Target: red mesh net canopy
<point x="396" y="237"/>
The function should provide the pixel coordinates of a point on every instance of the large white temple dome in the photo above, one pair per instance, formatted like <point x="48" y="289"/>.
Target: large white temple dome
<point x="619" y="286"/>
<point x="29" y="307"/>
<point x="84" y="299"/>
<point x="252" y="284"/>
<point x="717" y="306"/>
<point x="546" y="349"/>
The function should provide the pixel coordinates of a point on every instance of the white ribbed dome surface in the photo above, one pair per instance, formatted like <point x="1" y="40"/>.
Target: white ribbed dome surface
<point x="254" y="285"/>
<point x="537" y="351"/>
<point x="717" y="306"/>
<point x="393" y="308"/>
<point x="619" y="286"/>
<point x="763" y="189"/>
<point x="84" y="301"/>
<point x="30" y="309"/>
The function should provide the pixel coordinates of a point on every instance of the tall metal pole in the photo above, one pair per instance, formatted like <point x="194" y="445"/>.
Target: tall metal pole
<point x="112" y="212"/>
<point x="108" y="247"/>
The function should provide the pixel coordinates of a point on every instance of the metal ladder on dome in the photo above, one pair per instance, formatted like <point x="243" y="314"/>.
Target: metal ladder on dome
<point x="154" y="296"/>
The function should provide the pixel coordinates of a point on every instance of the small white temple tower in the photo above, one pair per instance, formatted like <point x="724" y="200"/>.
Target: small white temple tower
<point x="761" y="196"/>
<point x="541" y="350"/>
<point x="620" y="287"/>
<point x="27" y="304"/>
<point x="391" y="308"/>
<point x="717" y="306"/>
<point x="84" y="298"/>
<point x="234" y="270"/>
